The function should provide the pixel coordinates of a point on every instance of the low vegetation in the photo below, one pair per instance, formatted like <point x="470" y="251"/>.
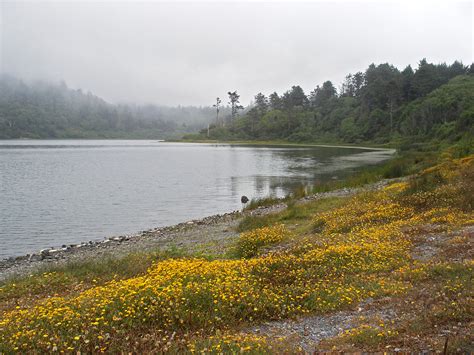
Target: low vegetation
<point x="324" y="259"/>
<point x="250" y="243"/>
<point x="293" y="213"/>
<point x="77" y="276"/>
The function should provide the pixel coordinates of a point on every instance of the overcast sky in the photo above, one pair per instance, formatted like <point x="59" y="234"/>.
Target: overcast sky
<point x="190" y="52"/>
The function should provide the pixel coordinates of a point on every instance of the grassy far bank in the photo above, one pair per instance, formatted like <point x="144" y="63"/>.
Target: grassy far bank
<point x="285" y="143"/>
<point x="313" y="258"/>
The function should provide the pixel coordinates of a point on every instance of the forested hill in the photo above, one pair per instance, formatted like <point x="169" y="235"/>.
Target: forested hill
<point x="382" y="104"/>
<point x="45" y="110"/>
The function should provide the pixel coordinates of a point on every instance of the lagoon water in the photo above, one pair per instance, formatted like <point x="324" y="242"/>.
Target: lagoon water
<point x="55" y="192"/>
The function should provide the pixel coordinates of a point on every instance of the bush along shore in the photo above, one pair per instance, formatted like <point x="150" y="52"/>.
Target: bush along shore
<point x="387" y="268"/>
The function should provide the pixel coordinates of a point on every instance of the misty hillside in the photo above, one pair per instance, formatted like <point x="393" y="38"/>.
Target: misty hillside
<point x="45" y="110"/>
<point x="382" y="104"/>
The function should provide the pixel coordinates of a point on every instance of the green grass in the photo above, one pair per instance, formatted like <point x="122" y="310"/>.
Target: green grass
<point x="406" y="164"/>
<point x="296" y="212"/>
<point x="297" y="193"/>
<point x="262" y="202"/>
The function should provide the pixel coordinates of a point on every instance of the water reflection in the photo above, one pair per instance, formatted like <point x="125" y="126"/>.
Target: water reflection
<point x="305" y="168"/>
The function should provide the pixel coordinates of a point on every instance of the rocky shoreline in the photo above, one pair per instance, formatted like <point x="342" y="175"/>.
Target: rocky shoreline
<point x="217" y="229"/>
<point x="208" y="229"/>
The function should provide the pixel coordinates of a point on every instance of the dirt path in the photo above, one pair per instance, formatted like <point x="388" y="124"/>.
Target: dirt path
<point x="307" y="332"/>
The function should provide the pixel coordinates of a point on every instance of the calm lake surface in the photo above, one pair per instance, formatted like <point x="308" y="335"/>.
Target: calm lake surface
<point x="55" y="192"/>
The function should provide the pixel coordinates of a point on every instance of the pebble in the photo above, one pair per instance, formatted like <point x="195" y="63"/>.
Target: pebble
<point x="44" y="252"/>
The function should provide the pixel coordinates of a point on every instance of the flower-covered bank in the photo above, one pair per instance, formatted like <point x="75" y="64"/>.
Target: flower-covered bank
<point x="346" y="255"/>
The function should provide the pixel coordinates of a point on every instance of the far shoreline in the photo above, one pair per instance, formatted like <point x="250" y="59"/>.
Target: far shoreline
<point x="283" y="143"/>
<point x="380" y="147"/>
<point x="256" y="143"/>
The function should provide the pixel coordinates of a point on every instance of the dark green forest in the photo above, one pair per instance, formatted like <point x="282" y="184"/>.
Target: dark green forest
<point x="380" y="105"/>
<point x="45" y="110"/>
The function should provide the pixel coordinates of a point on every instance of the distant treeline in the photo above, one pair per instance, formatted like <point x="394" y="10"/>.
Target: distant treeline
<point x="379" y="105"/>
<point x="45" y="110"/>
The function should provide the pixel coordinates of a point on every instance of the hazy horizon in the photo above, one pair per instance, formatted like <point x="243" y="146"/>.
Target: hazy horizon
<point x="188" y="53"/>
